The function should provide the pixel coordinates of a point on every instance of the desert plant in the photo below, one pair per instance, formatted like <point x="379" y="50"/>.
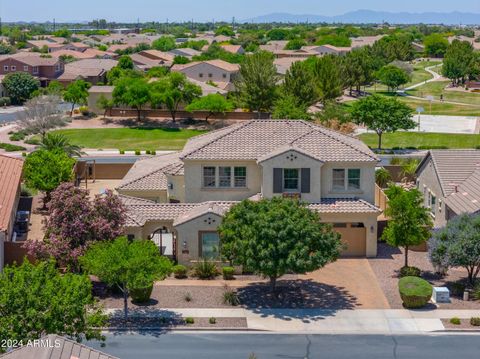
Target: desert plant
<point x="32" y="141"/>
<point x="147" y="152"/>
<point x="137" y="153"/>
<point x="84" y="110"/>
<point x="457" y="288"/>
<point x="179" y="271"/>
<point x="475" y="321"/>
<point x="414" y="291"/>
<point x="212" y="320"/>
<point x="410" y="272"/>
<point x="17" y="136"/>
<point x="141" y="295"/>
<point x="382" y="177"/>
<point x="228" y="273"/>
<point x="205" y="269"/>
<point x="11" y="148"/>
<point x="122" y="152"/>
<point x="189" y="320"/>
<point x="187" y="297"/>
<point x="153" y="152"/>
<point x="455" y="321"/>
<point x="26" y="191"/>
<point x="230" y="297"/>
<point x="5" y="101"/>
<point x="476" y="292"/>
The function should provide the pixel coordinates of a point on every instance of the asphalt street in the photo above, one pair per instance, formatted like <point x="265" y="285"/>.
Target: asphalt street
<point x="287" y="346"/>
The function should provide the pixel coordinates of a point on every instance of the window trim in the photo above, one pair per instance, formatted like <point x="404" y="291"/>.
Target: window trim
<point x="5" y="67"/>
<point x="334" y="188"/>
<point x="204" y="183"/>
<point x="233" y="177"/>
<point x="284" y="178"/>
<point x="224" y="176"/>
<point x="25" y="68"/>
<point x="346" y="181"/>
<point x="359" y="179"/>
<point x="13" y="68"/>
<point x="200" y="243"/>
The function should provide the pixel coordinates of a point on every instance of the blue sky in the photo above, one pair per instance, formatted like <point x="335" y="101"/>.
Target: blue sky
<point x="202" y="10"/>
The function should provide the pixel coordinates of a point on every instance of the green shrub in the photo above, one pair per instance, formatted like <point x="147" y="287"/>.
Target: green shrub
<point x="179" y="271"/>
<point x="205" y="269"/>
<point x="212" y="320"/>
<point x="11" y="148"/>
<point x="5" y="101"/>
<point x="410" y="272"/>
<point x="17" y="136"/>
<point x="455" y="321"/>
<point x="122" y="152"/>
<point x="84" y="110"/>
<point x="475" y="321"/>
<point x="187" y="297"/>
<point x="147" y="152"/>
<point x="230" y="297"/>
<point x="141" y="295"/>
<point x="32" y="141"/>
<point x="137" y="153"/>
<point x="228" y="273"/>
<point x="189" y="320"/>
<point x="24" y="154"/>
<point x="414" y="291"/>
<point x="476" y="292"/>
<point x="153" y="152"/>
<point x="26" y="191"/>
<point x="456" y="288"/>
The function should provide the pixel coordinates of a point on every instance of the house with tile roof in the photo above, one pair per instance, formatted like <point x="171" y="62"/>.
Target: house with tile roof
<point x="43" y="66"/>
<point x="178" y="200"/>
<point x="450" y="183"/>
<point x="10" y="178"/>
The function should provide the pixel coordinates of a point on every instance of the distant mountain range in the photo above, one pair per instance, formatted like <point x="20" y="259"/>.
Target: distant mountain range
<point x="375" y="17"/>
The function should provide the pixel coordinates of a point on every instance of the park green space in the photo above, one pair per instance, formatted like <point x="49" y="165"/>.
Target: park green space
<point x="424" y="140"/>
<point x="130" y="138"/>
<point x="437" y="88"/>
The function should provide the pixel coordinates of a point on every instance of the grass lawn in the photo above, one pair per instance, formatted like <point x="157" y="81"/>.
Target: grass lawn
<point x="436" y="88"/>
<point x="426" y="140"/>
<point x="130" y="138"/>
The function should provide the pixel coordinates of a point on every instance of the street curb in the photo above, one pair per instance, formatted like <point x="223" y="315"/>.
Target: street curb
<point x="186" y="329"/>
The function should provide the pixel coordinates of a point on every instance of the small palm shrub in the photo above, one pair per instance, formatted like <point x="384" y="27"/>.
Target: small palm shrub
<point x="410" y="272"/>
<point x="205" y="269"/>
<point x="455" y="321"/>
<point x="179" y="271"/>
<point x="475" y="321"/>
<point x="228" y="273"/>
<point x="414" y="291"/>
<point x="187" y="297"/>
<point x="382" y="177"/>
<point x="476" y="292"/>
<point x="230" y="297"/>
<point x="456" y="289"/>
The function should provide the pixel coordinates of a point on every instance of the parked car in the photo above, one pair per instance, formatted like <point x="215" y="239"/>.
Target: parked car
<point x="22" y="220"/>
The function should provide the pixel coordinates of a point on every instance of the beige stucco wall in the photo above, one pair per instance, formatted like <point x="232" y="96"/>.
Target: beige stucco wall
<point x="2" y="250"/>
<point x="194" y="191"/>
<point x="188" y="234"/>
<point x="367" y="180"/>
<point x="206" y="69"/>
<point x="302" y="161"/>
<point x="159" y="196"/>
<point x="177" y="190"/>
<point x="93" y="98"/>
<point x="427" y="180"/>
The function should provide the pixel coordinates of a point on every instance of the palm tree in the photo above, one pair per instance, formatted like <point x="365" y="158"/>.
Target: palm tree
<point x="57" y="141"/>
<point x="409" y="169"/>
<point x="382" y="177"/>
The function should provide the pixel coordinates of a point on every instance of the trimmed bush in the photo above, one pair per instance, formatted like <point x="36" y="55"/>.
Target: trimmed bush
<point x="475" y="321"/>
<point x="5" y="101"/>
<point x="141" y="295"/>
<point x="205" y="269"/>
<point x="476" y="292"/>
<point x="410" y="272"/>
<point x="153" y="152"/>
<point x="11" y="148"/>
<point x="455" y="321"/>
<point x="189" y="320"/>
<point x="32" y="141"/>
<point x="137" y="153"/>
<point x="414" y="291"/>
<point x="17" y="136"/>
<point x="179" y="271"/>
<point x="228" y="273"/>
<point x="122" y="152"/>
<point x="84" y="110"/>
<point x="212" y="320"/>
<point x="147" y="152"/>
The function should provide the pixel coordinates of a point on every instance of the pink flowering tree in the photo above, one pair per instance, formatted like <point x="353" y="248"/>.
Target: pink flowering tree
<point x="75" y="221"/>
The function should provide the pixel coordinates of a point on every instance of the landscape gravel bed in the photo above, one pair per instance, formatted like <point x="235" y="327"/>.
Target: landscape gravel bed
<point x="177" y="323"/>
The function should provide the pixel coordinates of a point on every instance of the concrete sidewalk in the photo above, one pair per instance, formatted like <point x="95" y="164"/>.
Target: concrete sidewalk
<point x="365" y="321"/>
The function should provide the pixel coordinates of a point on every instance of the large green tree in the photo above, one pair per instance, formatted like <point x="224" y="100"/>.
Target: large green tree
<point x="126" y="264"/>
<point x="409" y="221"/>
<point x="257" y="81"/>
<point x="299" y="83"/>
<point x="435" y="45"/>
<point x="76" y="93"/>
<point x="460" y="62"/>
<point x="20" y="86"/>
<point x="132" y="92"/>
<point x="45" y="170"/>
<point x="36" y="300"/>
<point x="172" y="91"/>
<point x="458" y="245"/>
<point x="164" y="43"/>
<point x="277" y="236"/>
<point x="359" y="69"/>
<point x="212" y="103"/>
<point x="287" y="108"/>
<point x="393" y="77"/>
<point x="328" y="71"/>
<point x="382" y="114"/>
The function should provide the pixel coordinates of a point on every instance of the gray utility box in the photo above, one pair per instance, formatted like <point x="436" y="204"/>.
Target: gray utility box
<point x="441" y="295"/>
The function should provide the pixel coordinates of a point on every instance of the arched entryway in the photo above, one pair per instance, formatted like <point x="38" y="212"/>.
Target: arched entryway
<point x="165" y="241"/>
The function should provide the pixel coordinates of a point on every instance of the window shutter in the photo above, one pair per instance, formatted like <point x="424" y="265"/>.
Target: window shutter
<point x="305" y="178"/>
<point x="277" y="180"/>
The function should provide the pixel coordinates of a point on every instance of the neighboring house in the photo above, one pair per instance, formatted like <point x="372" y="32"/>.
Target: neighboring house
<point x="90" y="70"/>
<point x="54" y="346"/>
<point x="233" y="49"/>
<point x="178" y="200"/>
<point x="186" y="52"/>
<point x="362" y="41"/>
<point x="418" y="47"/>
<point x="10" y="178"/>
<point x="147" y="59"/>
<point x="88" y="53"/>
<point x="328" y="49"/>
<point x="283" y="64"/>
<point x="45" y="67"/>
<point x="275" y="45"/>
<point x="158" y="55"/>
<point x="450" y="183"/>
<point x="94" y="94"/>
<point x="3" y="92"/>
<point x="471" y="40"/>
<point x="218" y="71"/>
<point x="39" y="44"/>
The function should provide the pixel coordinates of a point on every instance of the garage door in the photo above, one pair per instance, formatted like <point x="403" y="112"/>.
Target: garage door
<point x="355" y="240"/>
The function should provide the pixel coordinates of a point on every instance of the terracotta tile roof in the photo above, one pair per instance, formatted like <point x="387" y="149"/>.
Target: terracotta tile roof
<point x="218" y="208"/>
<point x="234" y="49"/>
<point x="147" y="61"/>
<point x="258" y="138"/>
<point x="165" y="56"/>
<point x="452" y="166"/>
<point x="217" y="63"/>
<point x="343" y="205"/>
<point x="10" y="176"/>
<point x="32" y="58"/>
<point x="467" y="197"/>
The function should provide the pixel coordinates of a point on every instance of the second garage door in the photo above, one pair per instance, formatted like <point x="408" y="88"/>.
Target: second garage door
<point x="354" y="238"/>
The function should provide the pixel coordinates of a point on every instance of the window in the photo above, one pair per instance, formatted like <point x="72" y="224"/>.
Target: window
<point x="5" y="68"/>
<point x="290" y="179"/>
<point x="224" y="76"/>
<point x="339" y="179"/>
<point x="200" y="75"/>
<point x="35" y="69"/>
<point x="14" y="68"/>
<point x="339" y="225"/>
<point x="240" y="177"/>
<point x="25" y="68"/>
<point x="210" y="75"/>
<point x="354" y="179"/>
<point x="224" y="176"/>
<point x="57" y="67"/>
<point x="432" y="203"/>
<point x="209" y="244"/>
<point x="209" y="177"/>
